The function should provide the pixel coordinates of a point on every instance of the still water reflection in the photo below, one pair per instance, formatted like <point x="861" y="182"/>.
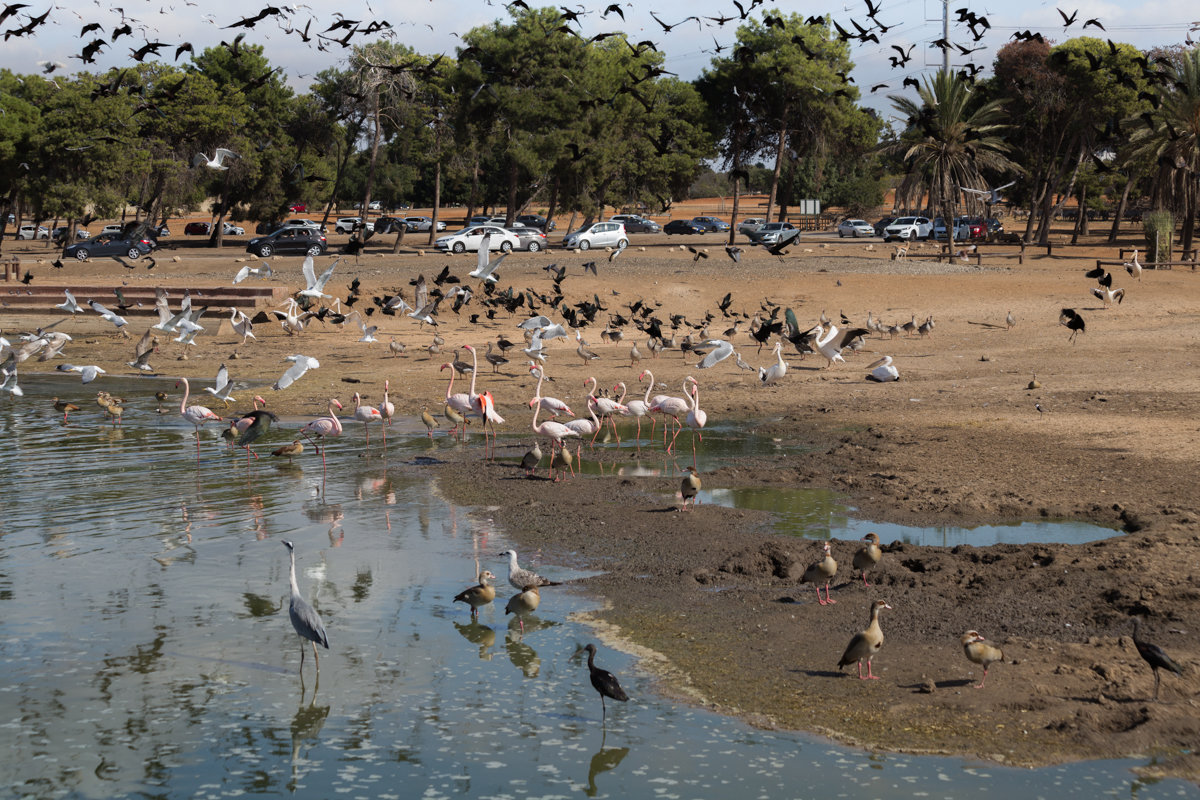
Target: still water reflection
<point x="145" y="648"/>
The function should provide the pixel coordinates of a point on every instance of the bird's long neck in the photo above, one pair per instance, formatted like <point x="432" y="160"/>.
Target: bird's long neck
<point x="292" y="575"/>
<point x="474" y="370"/>
<point x="591" y="660"/>
<point x="186" y="390"/>
<point x="512" y="563"/>
<point x="537" y="407"/>
<point x="450" y="386"/>
<point x="593" y="382"/>
<point x="649" y="386"/>
<point x="621" y="399"/>
<point x="537" y="393"/>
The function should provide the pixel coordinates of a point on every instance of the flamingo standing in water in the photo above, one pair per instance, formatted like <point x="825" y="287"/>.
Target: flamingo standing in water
<point x="640" y="408"/>
<point x="696" y="417"/>
<point x="197" y="415"/>
<point x="387" y="409"/>
<point x="607" y="408"/>
<point x="322" y="427"/>
<point x="367" y="415"/>
<point x="487" y="412"/>
<point x="552" y="404"/>
<point x="460" y="402"/>
<point x="555" y="430"/>
<point x="672" y="407"/>
<point x="585" y="427"/>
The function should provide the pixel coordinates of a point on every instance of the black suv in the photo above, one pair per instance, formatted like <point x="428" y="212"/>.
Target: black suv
<point x="293" y="239"/>
<point x="536" y="221"/>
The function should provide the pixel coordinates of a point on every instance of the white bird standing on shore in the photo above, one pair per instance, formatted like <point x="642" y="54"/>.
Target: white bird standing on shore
<point x="882" y="371"/>
<point x="242" y="325"/>
<point x="1134" y="267"/>
<point x="775" y="372"/>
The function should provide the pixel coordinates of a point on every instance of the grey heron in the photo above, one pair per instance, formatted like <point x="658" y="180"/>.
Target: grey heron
<point x="305" y="618"/>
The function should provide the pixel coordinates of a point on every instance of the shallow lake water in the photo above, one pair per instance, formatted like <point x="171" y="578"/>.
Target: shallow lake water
<point x="145" y="646"/>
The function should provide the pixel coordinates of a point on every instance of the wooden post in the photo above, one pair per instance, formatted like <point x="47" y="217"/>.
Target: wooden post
<point x="12" y="268"/>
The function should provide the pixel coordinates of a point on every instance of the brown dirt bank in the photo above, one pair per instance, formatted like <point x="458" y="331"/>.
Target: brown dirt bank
<point x="957" y="440"/>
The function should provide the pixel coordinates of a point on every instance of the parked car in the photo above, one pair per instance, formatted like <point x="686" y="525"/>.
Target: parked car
<point x="750" y="224"/>
<point x="994" y="226"/>
<point x="598" y="234"/>
<point x="115" y="227"/>
<point x="33" y="232"/>
<point x="636" y="224"/>
<point x="298" y="208"/>
<point x="469" y="238"/>
<point x="908" y="229"/>
<point x="682" y="226"/>
<point x="230" y="229"/>
<point x="308" y="223"/>
<point x="196" y="229"/>
<point x="420" y="224"/>
<point x="771" y="232"/>
<point x="59" y="234"/>
<point x="962" y="230"/>
<point x="290" y="239"/>
<point x="110" y="244"/>
<point x="479" y="219"/>
<point x="267" y="227"/>
<point x="348" y="224"/>
<point x="387" y="224"/>
<point x="855" y="228"/>
<point x="530" y="239"/>
<point x="536" y="221"/>
<point x="882" y="224"/>
<point x="711" y="224"/>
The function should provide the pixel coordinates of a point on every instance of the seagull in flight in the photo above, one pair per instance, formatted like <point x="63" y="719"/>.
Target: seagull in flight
<point x="111" y="316"/>
<point x="316" y="286"/>
<point x="485" y="268"/>
<point x="222" y="387"/>
<point x="69" y="304"/>
<point x="263" y="272"/>
<point x="301" y="364"/>
<point x="992" y="195"/>
<point x="89" y="373"/>
<point x="217" y="161"/>
<point x="721" y="351"/>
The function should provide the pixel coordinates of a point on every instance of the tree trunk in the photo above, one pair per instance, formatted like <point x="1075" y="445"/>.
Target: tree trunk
<point x="1080" y="216"/>
<point x="474" y="196"/>
<point x="514" y="174"/>
<point x="1121" y="205"/>
<point x="371" y="164"/>
<point x="437" y="200"/>
<point x="1189" y="221"/>
<point x="779" y="148"/>
<point x="553" y="206"/>
<point x="737" y="181"/>
<point x="217" y="237"/>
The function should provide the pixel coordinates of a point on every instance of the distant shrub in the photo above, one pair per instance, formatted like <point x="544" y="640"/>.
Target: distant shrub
<point x="1159" y="228"/>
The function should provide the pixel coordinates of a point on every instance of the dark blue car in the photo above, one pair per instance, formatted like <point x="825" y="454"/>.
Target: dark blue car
<point x="682" y="226"/>
<point x="110" y="244"/>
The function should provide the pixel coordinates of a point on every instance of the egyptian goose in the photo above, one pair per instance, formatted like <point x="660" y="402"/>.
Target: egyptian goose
<point x="531" y="459"/>
<point x="478" y="595"/>
<point x="978" y="650"/>
<point x="689" y="487"/>
<point x="868" y="556"/>
<point x="866" y="644"/>
<point x="822" y="570"/>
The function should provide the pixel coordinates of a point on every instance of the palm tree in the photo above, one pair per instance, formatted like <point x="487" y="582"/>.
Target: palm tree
<point x="1171" y="137"/>
<point x="947" y="144"/>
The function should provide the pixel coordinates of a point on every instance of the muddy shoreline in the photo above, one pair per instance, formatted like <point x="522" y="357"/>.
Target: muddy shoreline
<point x="986" y="425"/>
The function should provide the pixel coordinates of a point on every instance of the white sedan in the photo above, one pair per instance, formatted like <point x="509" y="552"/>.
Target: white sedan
<point x="469" y="239"/>
<point x="348" y="224"/>
<point x="420" y="224"/>
<point x="32" y="232"/>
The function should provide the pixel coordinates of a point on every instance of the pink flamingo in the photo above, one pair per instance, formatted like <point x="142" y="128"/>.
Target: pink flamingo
<point x="671" y="407"/>
<point x="640" y="408"/>
<point x="245" y="422"/>
<point x="386" y="408"/>
<point x="551" y="404"/>
<point x="555" y="430"/>
<point x="322" y="427"/>
<point x="459" y="402"/>
<point x="607" y="408"/>
<point x="366" y="415"/>
<point x="696" y="417"/>
<point x="585" y="427"/>
<point x="487" y="412"/>
<point x="197" y="415"/>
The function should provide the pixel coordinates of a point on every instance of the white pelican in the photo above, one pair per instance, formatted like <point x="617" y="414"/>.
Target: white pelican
<point x="832" y="342"/>
<point x="775" y="372"/>
<point x="1134" y="267"/>
<point x="1108" y="295"/>
<point x="242" y="325"/>
<point x="882" y="371"/>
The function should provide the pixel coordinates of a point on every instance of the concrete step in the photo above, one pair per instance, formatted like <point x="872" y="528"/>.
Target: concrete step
<point x="43" y="298"/>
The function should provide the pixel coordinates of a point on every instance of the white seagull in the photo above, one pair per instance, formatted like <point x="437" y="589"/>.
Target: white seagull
<point x="992" y="195"/>
<point x="484" y="268"/>
<point x="521" y="578"/>
<point x="721" y="351"/>
<point x="111" y="316"/>
<point x="316" y="286"/>
<point x="301" y="365"/>
<point x="217" y="161"/>
<point x="69" y="304"/>
<point x="263" y="272"/>
<point x="222" y="386"/>
<point x="89" y="373"/>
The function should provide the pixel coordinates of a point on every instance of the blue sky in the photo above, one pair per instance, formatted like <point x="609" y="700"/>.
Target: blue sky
<point x="430" y="26"/>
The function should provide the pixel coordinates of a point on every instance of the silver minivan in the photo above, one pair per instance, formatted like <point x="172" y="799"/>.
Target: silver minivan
<point x="598" y="234"/>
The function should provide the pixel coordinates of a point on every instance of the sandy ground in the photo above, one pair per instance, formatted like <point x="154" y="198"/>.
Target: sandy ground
<point x="959" y="440"/>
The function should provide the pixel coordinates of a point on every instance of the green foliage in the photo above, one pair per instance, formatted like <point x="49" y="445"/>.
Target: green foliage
<point x="1159" y="229"/>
